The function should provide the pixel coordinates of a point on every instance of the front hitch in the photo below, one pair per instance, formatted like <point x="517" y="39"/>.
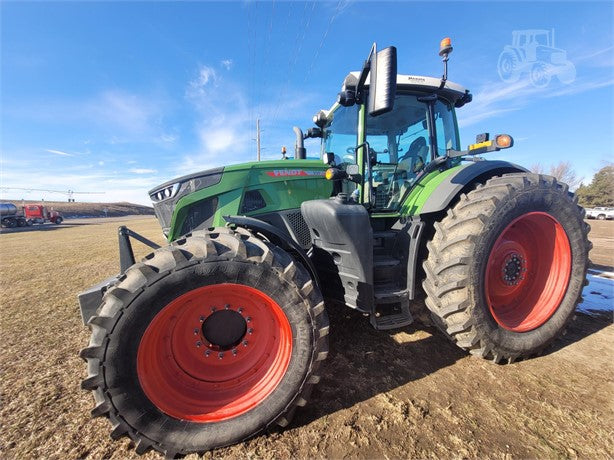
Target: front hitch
<point x="91" y="299"/>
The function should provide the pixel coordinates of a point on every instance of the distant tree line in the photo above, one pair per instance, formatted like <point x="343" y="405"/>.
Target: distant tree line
<point x="599" y="192"/>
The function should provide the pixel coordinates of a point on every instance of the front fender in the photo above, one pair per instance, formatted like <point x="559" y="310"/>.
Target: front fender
<point x="452" y="185"/>
<point x="278" y="238"/>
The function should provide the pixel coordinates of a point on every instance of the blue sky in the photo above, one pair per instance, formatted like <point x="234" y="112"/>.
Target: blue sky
<point x="118" y="97"/>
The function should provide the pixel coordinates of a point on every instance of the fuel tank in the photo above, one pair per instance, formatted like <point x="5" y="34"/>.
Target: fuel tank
<point x="342" y="249"/>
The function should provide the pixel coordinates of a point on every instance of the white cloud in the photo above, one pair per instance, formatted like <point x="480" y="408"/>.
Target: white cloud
<point x="496" y="98"/>
<point x="218" y="140"/>
<point x="227" y="63"/>
<point x="59" y="152"/>
<point x="143" y="171"/>
<point x="223" y="122"/>
<point x="197" y="88"/>
<point x="168" y="138"/>
<point x="126" y="112"/>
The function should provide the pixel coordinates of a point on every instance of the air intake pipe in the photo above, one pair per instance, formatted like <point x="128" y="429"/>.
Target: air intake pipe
<point x="299" y="148"/>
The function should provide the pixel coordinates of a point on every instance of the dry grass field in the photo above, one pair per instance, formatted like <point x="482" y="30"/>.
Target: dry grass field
<point x="405" y="394"/>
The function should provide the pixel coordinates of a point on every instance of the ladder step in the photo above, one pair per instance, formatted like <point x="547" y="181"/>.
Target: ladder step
<point x="390" y="293"/>
<point x="391" y="309"/>
<point x="385" y="261"/>
<point x="396" y="317"/>
<point x="384" y="234"/>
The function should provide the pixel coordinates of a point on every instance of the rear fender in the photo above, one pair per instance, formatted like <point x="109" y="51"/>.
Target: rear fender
<point x="455" y="184"/>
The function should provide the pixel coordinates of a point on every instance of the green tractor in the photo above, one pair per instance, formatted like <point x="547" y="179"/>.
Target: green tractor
<point x="221" y="333"/>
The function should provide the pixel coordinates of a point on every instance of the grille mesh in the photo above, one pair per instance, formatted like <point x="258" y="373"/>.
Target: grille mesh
<point x="299" y="227"/>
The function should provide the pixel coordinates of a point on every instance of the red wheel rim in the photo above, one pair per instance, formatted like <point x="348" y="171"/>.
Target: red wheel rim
<point x="190" y="365"/>
<point x="528" y="272"/>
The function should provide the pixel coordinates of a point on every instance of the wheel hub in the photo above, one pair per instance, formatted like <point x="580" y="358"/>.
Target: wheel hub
<point x="224" y="329"/>
<point x="513" y="270"/>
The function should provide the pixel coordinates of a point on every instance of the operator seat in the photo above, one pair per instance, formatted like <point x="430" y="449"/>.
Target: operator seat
<point x="416" y="154"/>
<point x="417" y="149"/>
<point x="406" y="169"/>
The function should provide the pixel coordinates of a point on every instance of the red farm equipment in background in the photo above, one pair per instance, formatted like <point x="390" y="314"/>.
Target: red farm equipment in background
<point x="29" y="214"/>
<point x="39" y="214"/>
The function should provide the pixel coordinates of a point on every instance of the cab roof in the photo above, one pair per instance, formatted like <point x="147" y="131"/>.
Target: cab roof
<point x="451" y="91"/>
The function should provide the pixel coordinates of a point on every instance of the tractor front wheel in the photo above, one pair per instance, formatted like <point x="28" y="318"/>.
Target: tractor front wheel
<point x="205" y="343"/>
<point x="507" y="265"/>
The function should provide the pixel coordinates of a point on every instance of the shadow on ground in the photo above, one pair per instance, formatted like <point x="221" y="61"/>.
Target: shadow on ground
<point x="363" y="362"/>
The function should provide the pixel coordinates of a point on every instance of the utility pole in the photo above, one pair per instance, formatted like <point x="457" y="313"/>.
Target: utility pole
<point x="258" y="137"/>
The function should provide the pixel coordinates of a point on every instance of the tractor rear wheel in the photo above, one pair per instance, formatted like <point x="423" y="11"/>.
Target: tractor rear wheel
<point x="205" y="343"/>
<point x="507" y="265"/>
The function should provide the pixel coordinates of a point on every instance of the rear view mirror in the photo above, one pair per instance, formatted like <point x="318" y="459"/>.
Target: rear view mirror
<point x="383" y="82"/>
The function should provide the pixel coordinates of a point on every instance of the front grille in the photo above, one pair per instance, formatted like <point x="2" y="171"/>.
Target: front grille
<point x="299" y="227"/>
<point x="200" y="215"/>
<point x="252" y="201"/>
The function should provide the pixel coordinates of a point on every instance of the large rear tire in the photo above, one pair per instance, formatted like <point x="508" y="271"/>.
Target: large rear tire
<point x="507" y="265"/>
<point x="205" y="343"/>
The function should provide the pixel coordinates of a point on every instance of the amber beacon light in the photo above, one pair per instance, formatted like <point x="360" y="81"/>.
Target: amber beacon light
<point x="445" y="46"/>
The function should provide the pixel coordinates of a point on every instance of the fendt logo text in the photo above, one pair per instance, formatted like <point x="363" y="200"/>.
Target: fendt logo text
<point x="293" y="172"/>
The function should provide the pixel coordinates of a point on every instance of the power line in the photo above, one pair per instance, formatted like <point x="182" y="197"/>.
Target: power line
<point x="68" y="192"/>
<point x="333" y="16"/>
<point x="292" y="62"/>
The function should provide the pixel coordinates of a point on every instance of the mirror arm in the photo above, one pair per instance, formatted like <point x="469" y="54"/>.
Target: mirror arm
<point x="363" y="74"/>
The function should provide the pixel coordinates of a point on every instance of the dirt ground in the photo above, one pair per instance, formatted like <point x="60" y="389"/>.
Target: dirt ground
<point x="602" y="237"/>
<point x="405" y="394"/>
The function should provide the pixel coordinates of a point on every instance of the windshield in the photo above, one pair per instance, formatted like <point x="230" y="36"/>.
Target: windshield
<point x="340" y="138"/>
<point x="399" y="142"/>
<point x="400" y="146"/>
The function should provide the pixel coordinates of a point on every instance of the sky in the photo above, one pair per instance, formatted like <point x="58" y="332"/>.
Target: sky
<point x="117" y="97"/>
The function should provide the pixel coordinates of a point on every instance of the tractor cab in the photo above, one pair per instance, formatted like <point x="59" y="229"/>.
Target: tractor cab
<point x="392" y="149"/>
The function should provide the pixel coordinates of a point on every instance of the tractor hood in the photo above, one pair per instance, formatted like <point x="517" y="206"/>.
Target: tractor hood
<point x="167" y="196"/>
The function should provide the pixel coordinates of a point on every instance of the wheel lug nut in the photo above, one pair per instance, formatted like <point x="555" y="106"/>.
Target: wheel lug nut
<point x="207" y="353"/>
<point x="195" y="331"/>
<point x="240" y="310"/>
<point x="245" y="343"/>
<point x="227" y="307"/>
<point x="199" y="343"/>
<point x="213" y="308"/>
<point x="234" y="352"/>
<point x="250" y="330"/>
<point x="220" y="355"/>
<point x="248" y="319"/>
<point x="202" y="318"/>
